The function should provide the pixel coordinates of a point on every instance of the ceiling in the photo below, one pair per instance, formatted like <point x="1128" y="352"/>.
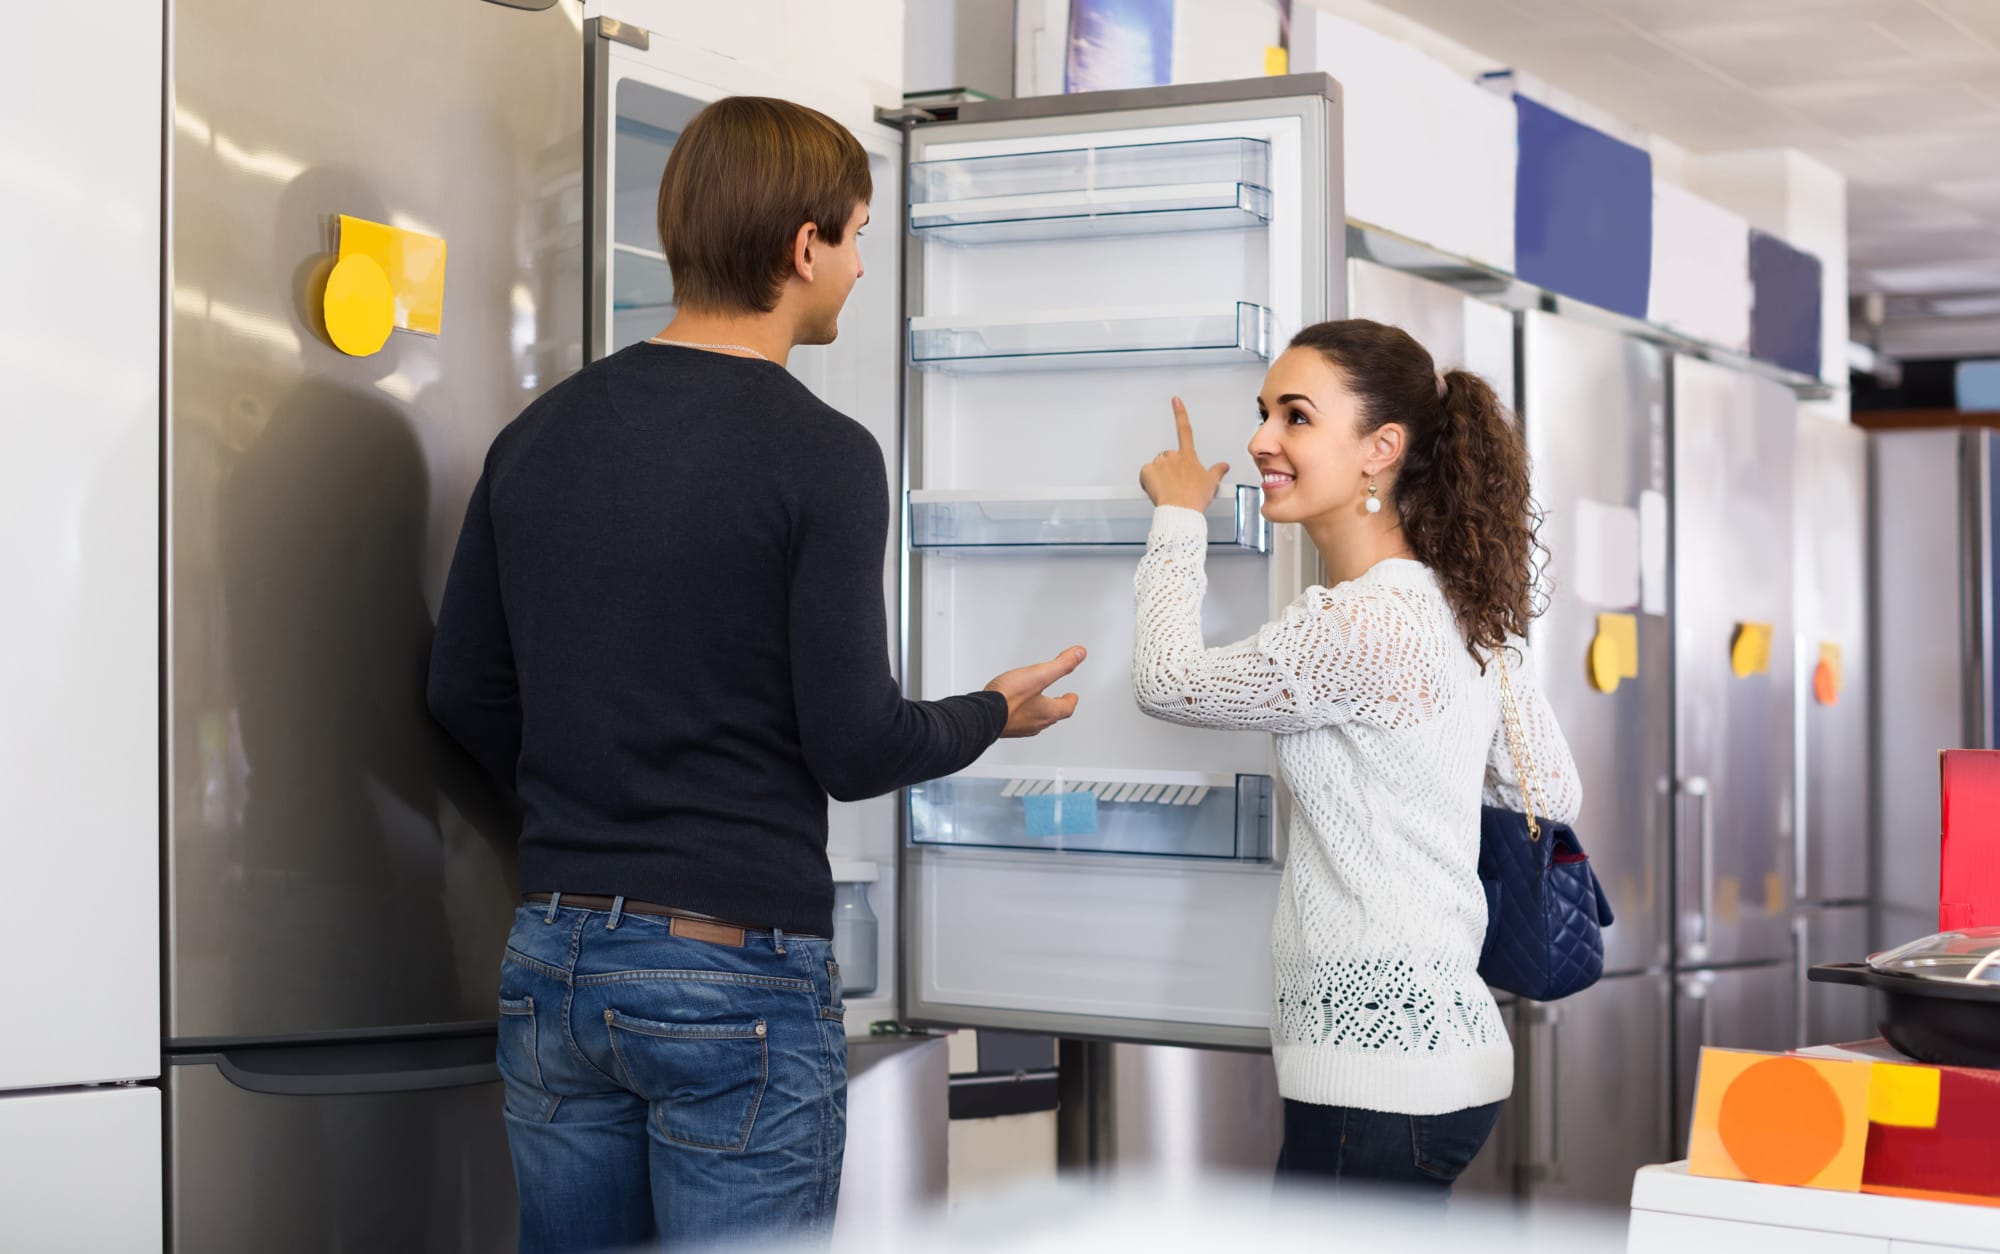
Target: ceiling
<point x="1903" y="96"/>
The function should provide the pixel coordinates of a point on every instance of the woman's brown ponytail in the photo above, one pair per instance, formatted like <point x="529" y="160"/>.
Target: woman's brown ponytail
<point x="1461" y="488"/>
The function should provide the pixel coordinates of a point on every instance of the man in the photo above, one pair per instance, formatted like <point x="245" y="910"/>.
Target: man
<point x="664" y="628"/>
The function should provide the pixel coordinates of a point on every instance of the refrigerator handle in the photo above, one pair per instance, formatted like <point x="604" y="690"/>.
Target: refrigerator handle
<point x="354" y="1069"/>
<point x="1801" y="756"/>
<point x="1801" y="946"/>
<point x="338" y="1085"/>
<point x="1555" y="1165"/>
<point x="1705" y="1014"/>
<point x="1696" y="788"/>
<point x="1546" y="1169"/>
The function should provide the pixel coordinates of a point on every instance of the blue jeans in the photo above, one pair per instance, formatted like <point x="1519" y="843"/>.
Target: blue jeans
<point x="661" y="1088"/>
<point x="1417" y="1156"/>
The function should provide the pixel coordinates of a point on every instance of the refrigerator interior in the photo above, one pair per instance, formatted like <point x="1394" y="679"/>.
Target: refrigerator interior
<point x="1733" y="436"/>
<point x="638" y="101"/>
<point x="1593" y="409"/>
<point x="1056" y="885"/>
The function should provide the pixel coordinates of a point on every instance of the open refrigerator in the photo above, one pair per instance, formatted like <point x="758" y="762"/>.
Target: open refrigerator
<point x="1041" y="277"/>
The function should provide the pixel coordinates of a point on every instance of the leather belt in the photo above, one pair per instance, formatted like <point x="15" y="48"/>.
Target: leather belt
<point x="682" y="923"/>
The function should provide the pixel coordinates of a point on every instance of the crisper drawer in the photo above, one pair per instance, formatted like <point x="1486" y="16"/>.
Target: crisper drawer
<point x="1187" y="814"/>
<point x="369" y="1147"/>
<point x="1164" y="950"/>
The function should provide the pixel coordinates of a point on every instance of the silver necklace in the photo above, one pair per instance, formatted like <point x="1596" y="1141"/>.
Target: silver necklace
<point x="729" y="348"/>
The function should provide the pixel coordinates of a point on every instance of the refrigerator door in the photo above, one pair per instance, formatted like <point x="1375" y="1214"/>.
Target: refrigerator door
<point x="1593" y="409"/>
<point x="1931" y="610"/>
<point x="80" y="1171"/>
<point x="1733" y="437"/>
<point x="1597" y="1086"/>
<point x="1835" y="701"/>
<point x="79" y="545"/>
<point x="641" y="88"/>
<point x="1046" y="341"/>
<point x="381" y="1147"/>
<point x="334" y="862"/>
<point x="1830" y="1014"/>
<point x="1167" y="1112"/>
<point x="1733" y="1008"/>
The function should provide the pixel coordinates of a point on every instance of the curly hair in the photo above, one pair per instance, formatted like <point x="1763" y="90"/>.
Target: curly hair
<point x="1461" y="489"/>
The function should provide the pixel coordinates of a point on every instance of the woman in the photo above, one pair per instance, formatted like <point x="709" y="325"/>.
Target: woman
<point x="1384" y="692"/>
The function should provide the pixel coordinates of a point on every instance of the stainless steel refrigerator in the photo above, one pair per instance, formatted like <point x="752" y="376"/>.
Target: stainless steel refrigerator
<point x="337" y="874"/>
<point x="1936" y="567"/>
<point x="1832" y="877"/>
<point x="1735" y="803"/>
<point x="1592" y="1097"/>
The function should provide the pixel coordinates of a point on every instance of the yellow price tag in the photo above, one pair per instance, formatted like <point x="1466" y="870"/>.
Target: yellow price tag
<point x="1614" y="652"/>
<point x="1750" y="652"/>
<point x="360" y="309"/>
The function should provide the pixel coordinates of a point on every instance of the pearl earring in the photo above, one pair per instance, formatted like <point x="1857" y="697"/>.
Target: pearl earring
<point x="1374" y="503"/>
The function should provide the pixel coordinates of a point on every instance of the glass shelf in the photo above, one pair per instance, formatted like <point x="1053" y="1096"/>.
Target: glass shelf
<point x="1084" y="339"/>
<point x="1176" y="814"/>
<point x="640" y="278"/>
<point x="1131" y="189"/>
<point x="1094" y="518"/>
<point x="1509" y="291"/>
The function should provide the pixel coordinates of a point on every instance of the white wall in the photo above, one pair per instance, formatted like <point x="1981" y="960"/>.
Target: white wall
<point x="1467" y="63"/>
<point x="1429" y="155"/>
<point x="80" y="140"/>
<point x="1219" y="40"/>
<point x="960" y="43"/>
<point x="1804" y="202"/>
<point x="813" y="40"/>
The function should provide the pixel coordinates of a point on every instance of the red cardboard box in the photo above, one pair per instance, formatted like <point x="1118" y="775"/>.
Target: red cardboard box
<point x="1969" y="803"/>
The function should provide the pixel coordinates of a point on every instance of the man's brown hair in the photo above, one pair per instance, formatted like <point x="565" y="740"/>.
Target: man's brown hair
<point x="744" y="176"/>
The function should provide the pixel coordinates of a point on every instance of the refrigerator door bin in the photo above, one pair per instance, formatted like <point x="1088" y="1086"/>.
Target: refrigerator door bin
<point x="1073" y="518"/>
<point x="1185" y="814"/>
<point x="1093" y="339"/>
<point x="1127" y="189"/>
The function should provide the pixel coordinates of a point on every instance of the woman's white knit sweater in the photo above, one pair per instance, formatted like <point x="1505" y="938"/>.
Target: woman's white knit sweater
<point x="1389" y="738"/>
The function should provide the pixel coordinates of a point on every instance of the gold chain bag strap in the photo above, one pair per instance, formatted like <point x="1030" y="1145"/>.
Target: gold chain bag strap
<point x="1525" y="773"/>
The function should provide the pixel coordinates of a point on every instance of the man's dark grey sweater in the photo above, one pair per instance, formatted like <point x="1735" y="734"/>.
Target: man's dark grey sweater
<point x="664" y="628"/>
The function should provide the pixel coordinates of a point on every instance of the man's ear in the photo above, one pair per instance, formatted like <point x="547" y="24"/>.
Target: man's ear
<point x="805" y="246"/>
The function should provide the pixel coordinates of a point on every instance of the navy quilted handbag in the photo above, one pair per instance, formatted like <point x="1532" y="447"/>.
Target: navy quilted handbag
<point x="1545" y="910"/>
